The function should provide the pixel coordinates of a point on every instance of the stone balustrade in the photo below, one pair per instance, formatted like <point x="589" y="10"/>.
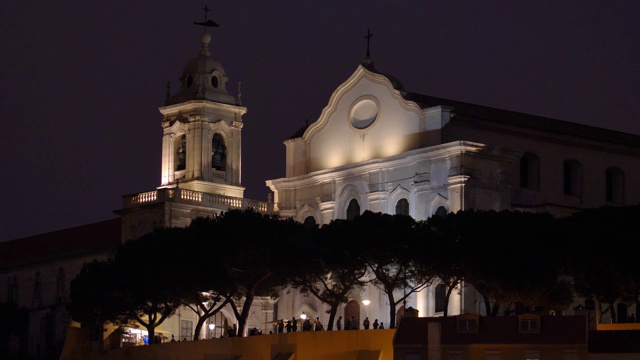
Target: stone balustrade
<point x="194" y="197"/>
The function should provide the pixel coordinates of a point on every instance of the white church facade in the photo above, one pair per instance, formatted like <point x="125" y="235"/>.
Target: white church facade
<point x="378" y="147"/>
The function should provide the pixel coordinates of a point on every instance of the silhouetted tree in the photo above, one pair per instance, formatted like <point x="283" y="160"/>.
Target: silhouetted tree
<point x="204" y="286"/>
<point x="387" y="244"/>
<point x="148" y="290"/>
<point x="602" y="263"/>
<point x="511" y="258"/>
<point x="442" y="257"/>
<point x="330" y="266"/>
<point x="254" y="250"/>
<point x="93" y="295"/>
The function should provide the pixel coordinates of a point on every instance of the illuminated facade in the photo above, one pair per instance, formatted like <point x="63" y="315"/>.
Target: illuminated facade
<point x="378" y="147"/>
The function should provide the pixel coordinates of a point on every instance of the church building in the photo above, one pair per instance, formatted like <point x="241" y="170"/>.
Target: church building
<point x="376" y="146"/>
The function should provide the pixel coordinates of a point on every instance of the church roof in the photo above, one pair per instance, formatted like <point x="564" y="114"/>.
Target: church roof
<point x="395" y="82"/>
<point x="203" y="78"/>
<point x="467" y="111"/>
<point x="298" y="132"/>
<point x="95" y="238"/>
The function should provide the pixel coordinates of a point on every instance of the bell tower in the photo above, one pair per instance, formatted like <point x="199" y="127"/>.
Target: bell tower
<point x="202" y="123"/>
<point x="201" y="153"/>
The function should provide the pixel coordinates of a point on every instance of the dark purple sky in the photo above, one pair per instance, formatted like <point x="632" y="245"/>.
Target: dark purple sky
<point x="82" y="80"/>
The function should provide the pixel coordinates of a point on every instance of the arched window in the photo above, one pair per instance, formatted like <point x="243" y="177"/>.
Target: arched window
<point x="402" y="207"/>
<point x="615" y="186"/>
<point x="572" y="178"/>
<point x="218" y="153"/>
<point x="36" y="300"/>
<point x="352" y="315"/>
<point x="530" y="171"/>
<point x="181" y="153"/>
<point x="309" y="222"/>
<point x="12" y="294"/>
<point x="353" y="209"/>
<point x="441" y="211"/>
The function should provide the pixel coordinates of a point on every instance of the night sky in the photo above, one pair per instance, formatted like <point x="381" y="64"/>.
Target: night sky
<point x="82" y="80"/>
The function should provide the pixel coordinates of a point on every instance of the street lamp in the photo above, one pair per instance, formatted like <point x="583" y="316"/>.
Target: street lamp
<point x="303" y="316"/>
<point x="212" y="329"/>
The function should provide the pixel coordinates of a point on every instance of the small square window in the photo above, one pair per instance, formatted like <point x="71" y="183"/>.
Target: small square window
<point x="529" y="323"/>
<point x="468" y="323"/>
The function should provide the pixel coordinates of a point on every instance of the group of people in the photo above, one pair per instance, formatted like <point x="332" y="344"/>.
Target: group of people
<point x="292" y="325"/>
<point x="308" y="325"/>
<point x="352" y="324"/>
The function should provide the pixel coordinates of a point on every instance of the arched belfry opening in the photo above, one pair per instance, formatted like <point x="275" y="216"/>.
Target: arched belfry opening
<point x="218" y="153"/>
<point x="181" y="153"/>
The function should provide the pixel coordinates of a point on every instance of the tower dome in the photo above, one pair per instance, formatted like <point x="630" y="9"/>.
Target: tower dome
<point x="203" y="78"/>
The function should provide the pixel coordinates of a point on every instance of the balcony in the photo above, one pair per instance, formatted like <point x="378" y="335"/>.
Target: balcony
<point x="184" y="196"/>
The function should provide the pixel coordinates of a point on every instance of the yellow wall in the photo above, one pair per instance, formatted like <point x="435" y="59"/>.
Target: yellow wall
<point x="354" y="344"/>
<point x="620" y="326"/>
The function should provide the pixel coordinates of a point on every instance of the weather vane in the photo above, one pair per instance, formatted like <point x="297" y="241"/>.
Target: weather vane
<point x="206" y="23"/>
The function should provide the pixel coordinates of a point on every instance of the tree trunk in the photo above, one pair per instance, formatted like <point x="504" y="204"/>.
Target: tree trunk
<point x="332" y="315"/>
<point x="151" y="326"/>
<point x="599" y="312"/>
<point x="246" y="307"/>
<point x="612" y="311"/>
<point x="487" y="305"/>
<point x="392" y="310"/>
<point x="446" y="300"/>
<point x="199" y="325"/>
<point x="495" y="309"/>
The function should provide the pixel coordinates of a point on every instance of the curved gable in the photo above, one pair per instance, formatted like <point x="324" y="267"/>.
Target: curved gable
<point x="366" y="118"/>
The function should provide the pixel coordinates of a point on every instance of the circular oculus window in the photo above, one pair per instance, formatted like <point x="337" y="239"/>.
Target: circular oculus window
<point x="364" y="113"/>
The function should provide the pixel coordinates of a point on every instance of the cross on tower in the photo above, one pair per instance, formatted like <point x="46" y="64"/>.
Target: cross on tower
<point x="206" y="10"/>
<point x="206" y="23"/>
<point x="368" y="37"/>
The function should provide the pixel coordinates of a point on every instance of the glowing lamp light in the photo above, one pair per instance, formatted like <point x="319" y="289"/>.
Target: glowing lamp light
<point x="212" y="326"/>
<point x="366" y="302"/>
<point x="303" y="316"/>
